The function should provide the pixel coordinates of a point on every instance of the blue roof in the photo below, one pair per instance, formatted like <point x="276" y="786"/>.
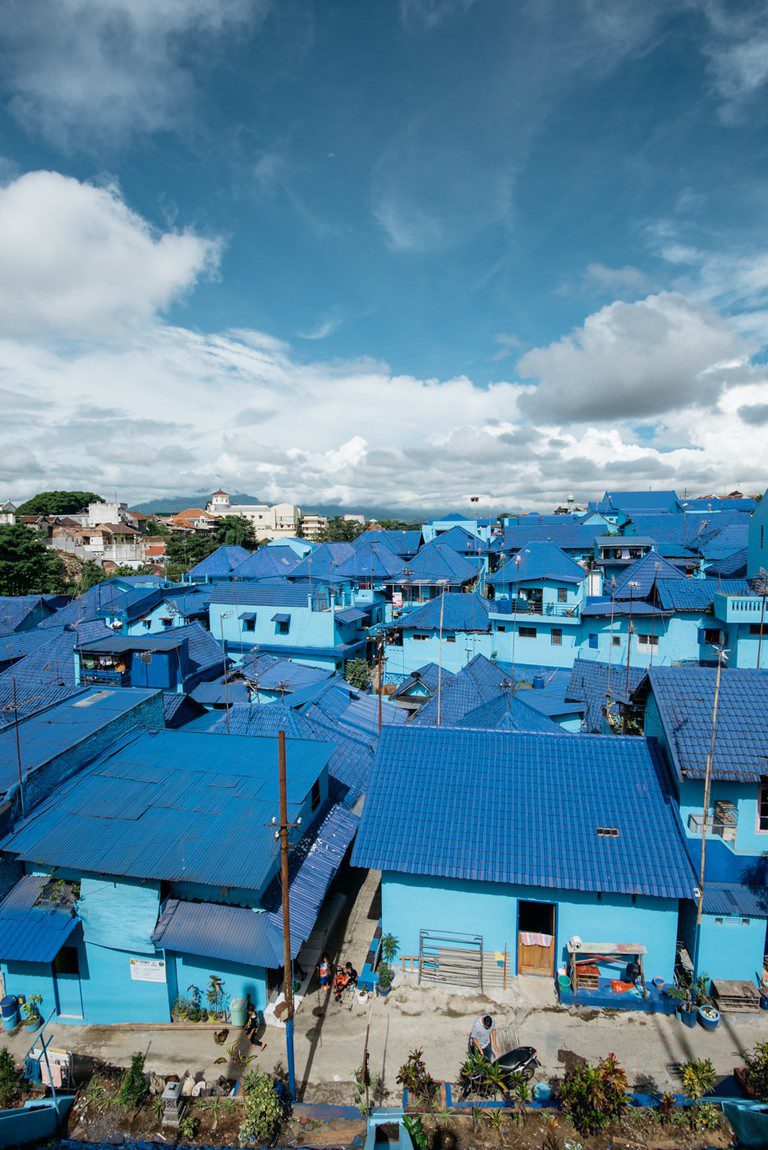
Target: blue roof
<point x="86" y="607"/>
<point x="203" y="649"/>
<point x="134" y="603"/>
<point x="660" y="501"/>
<point x="697" y="594"/>
<point x="352" y="615"/>
<point x="270" y="673"/>
<point x="35" y="935"/>
<point x="30" y="701"/>
<point x="221" y="562"/>
<point x="551" y="699"/>
<point x="172" y="805"/>
<point x="734" y="898"/>
<point x="508" y="712"/>
<point x="725" y="540"/>
<point x="15" y="610"/>
<point x="52" y="663"/>
<point x="435" y="562"/>
<point x="47" y="734"/>
<point x="464" y="542"/>
<point x="591" y="681"/>
<point x="255" y="937"/>
<point x="715" y="503"/>
<point x="279" y="593"/>
<point x="512" y="807"/>
<point x="644" y="572"/>
<point x="477" y="683"/>
<point x="404" y="543"/>
<point x="684" y="697"/>
<point x="605" y="605"/>
<point x="350" y="761"/>
<point x="372" y="560"/>
<point x="569" y="536"/>
<point x="540" y="559"/>
<point x="355" y="710"/>
<point x="15" y="645"/>
<point x="426" y="677"/>
<point x="189" y="601"/>
<point x="731" y="567"/>
<point x="267" y="563"/>
<point x="323" y="562"/>
<point x="686" y="528"/>
<point x="461" y="612"/>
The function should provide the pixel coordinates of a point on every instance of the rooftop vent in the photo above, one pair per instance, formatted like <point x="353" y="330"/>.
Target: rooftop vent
<point x="608" y="832"/>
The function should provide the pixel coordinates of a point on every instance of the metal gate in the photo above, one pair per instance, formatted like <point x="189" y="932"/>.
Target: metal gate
<point x="451" y="958"/>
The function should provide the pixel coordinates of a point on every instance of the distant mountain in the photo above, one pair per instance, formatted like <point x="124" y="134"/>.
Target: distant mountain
<point x="170" y="504"/>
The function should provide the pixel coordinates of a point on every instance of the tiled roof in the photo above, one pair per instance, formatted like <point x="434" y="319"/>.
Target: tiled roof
<point x="510" y="807"/>
<point x="323" y="562"/>
<point x="464" y="542"/>
<point x="697" y="594"/>
<point x="270" y="673"/>
<point x="662" y="501"/>
<point x="569" y="536"/>
<point x="461" y="612"/>
<point x="425" y="677"/>
<point x="644" y="572"/>
<point x="52" y="663"/>
<point x="267" y="562"/>
<point x="724" y="541"/>
<point x="274" y="593"/>
<point x="404" y="543"/>
<point x="477" y="683"/>
<point x="508" y="712"/>
<point x="605" y="606"/>
<point x="539" y="559"/>
<point x="16" y="609"/>
<point x="685" y="696"/>
<point x="221" y="562"/>
<point x="731" y="567"/>
<point x="435" y="562"/>
<point x="372" y="560"/>
<point x="713" y="503"/>
<point x="591" y="681"/>
<point x="687" y="528"/>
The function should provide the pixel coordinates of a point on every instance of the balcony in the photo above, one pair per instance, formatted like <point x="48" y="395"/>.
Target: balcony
<point x="100" y="677"/>
<point x="532" y="609"/>
<point x="737" y="608"/>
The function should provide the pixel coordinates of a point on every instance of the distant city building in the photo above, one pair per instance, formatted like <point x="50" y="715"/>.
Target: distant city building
<point x="312" y="526"/>
<point x="269" y="522"/>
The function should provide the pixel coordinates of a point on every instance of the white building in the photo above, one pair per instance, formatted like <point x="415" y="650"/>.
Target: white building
<point x="312" y="525"/>
<point x="99" y="513"/>
<point x="269" y="522"/>
<point x="7" y="514"/>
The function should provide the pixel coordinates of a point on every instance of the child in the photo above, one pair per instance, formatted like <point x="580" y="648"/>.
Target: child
<point x="324" y="971"/>
<point x="252" y="1024"/>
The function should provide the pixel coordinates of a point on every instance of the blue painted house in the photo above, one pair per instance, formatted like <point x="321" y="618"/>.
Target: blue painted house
<point x="435" y="568"/>
<point x="174" y="661"/>
<point x="218" y="566"/>
<point x="463" y="621"/>
<point x="519" y="842"/>
<point x="678" y="706"/>
<point x="757" y="542"/>
<point x="165" y="874"/>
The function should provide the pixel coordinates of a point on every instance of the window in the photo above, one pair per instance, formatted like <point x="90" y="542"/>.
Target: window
<point x="562" y="594"/>
<point x="283" y="626"/>
<point x="762" y="809"/>
<point x="557" y="637"/>
<point x="315" y="797"/>
<point x="594" y="641"/>
<point x="501" y="627"/>
<point x="147" y="623"/>
<point x="648" y="640"/>
<point x="755" y="629"/>
<point x="527" y="632"/>
<point x="450" y="638"/>
<point x="249" y="624"/>
<point x="712" y="635"/>
<point x="66" y="961"/>
<point x="166" y="620"/>
<point x="420" y="638"/>
<point x="616" y="640"/>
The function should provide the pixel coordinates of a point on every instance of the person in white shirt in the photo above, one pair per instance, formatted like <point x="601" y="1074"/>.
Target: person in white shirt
<point x="483" y="1037"/>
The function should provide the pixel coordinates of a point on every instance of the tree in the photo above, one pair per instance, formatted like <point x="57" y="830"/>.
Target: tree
<point x="398" y="525"/>
<point x="235" y="531"/>
<point x="59" y="503"/>
<point x="186" y="550"/>
<point x="153" y="527"/>
<point x="358" y="674"/>
<point x="27" y="567"/>
<point x="338" y="530"/>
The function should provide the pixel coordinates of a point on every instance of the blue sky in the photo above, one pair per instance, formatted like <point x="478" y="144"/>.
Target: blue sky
<point x="383" y="253"/>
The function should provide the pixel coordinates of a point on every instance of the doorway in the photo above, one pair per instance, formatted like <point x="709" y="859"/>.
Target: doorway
<point x="535" y="938"/>
<point x="66" y="968"/>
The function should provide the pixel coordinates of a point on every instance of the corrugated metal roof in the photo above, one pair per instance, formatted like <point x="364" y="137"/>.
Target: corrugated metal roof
<point x="539" y="559"/>
<point x="518" y="808"/>
<point x="734" y="898"/>
<point x="477" y="683"/>
<point x="35" y="935"/>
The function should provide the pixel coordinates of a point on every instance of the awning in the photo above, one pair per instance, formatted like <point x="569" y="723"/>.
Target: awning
<point x="35" y="935"/>
<point x="281" y="618"/>
<point x="248" y="616"/>
<point x="351" y="615"/>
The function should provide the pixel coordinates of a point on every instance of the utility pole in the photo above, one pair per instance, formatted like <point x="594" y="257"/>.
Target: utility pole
<point x="285" y="882"/>
<point x="380" y="653"/>
<point x="632" y="586"/>
<point x="18" y="747"/>
<point x="722" y="654"/>
<point x="225" y="615"/>
<point x="440" y="658"/>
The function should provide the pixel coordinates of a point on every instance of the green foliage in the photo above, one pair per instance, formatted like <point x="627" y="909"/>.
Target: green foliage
<point x="9" y="1079"/>
<point x="704" y="1116"/>
<point x="593" y="1096"/>
<point x="385" y="976"/>
<point x="389" y="947"/>
<point x="235" y="531"/>
<point x="27" y="566"/>
<point x="215" y="995"/>
<point x="59" y="503"/>
<point x="375" y="1088"/>
<point x="398" y="525"/>
<point x="188" y="1128"/>
<point x="698" y="1078"/>
<point x="414" y="1077"/>
<point x="133" y="1085"/>
<point x="756" y="1070"/>
<point x="262" y="1109"/>
<point x="415" y="1128"/>
<point x="31" y="1008"/>
<point x="485" y="1078"/>
<point x="338" y="530"/>
<point x="180" y="1009"/>
<point x="358" y="674"/>
<point x="666" y="1109"/>
<point x="153" y="527"/>
<point x="90" y="574"/>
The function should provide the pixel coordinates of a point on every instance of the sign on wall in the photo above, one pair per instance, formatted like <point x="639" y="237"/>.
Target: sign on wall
<point x="148" y="969"/>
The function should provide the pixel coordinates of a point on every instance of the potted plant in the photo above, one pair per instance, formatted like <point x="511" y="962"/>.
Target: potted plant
<point x="753" y="1079"/>
<point x="31" y="1009"/>
<point x="389" y="948"/>
<point x="686" y="1007"/>
<point x="384" y="984"/>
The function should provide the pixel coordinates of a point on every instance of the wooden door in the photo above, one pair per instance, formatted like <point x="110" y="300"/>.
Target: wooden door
<point x="536" y="922"/>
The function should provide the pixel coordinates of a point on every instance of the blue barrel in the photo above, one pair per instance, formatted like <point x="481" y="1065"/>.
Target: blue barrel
<point x="9" y="1012"/>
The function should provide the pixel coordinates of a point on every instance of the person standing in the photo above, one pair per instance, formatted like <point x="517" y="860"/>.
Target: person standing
<point x="483" y="1037"/>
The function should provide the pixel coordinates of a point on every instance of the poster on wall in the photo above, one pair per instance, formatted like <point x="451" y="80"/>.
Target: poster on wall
<point x="148" y="969"/>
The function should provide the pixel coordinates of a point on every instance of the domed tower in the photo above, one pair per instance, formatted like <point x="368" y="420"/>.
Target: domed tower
<point x="218" y="503"/>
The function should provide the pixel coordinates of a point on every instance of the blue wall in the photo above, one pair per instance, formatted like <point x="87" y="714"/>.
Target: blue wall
<point x="731" y="946"/>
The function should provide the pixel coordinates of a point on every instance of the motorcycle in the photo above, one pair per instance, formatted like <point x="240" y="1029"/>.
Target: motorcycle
<point x="501" y="1075"/>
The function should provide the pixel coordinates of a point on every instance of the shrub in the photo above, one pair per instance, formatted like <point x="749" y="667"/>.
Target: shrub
<point x="756" y="1070"/>
<point x="414" y="1077"/>
<point x="415" y="1128"/>
<point x="262" y="1108"/>
<point x="385" y="975"/>
<point x="704" y="1116"/>
<point x="9" y="1079"/>
<point x="389" y="948"/>
<point x="592" y="1096"/>
<point x="358" y="674"/>
<point x="133" y="1086"/>
<point x="698" y="1078"/>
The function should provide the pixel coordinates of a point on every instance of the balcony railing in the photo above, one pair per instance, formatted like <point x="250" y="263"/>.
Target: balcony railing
<point x="102" y="678"/>
<point x="738" y="608"/>
<point x="527" y="608"/>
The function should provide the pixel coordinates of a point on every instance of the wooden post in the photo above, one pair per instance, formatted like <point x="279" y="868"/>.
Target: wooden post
<point x="707" y="792"/>
<point x="381" y="684"/>
<point x="504" y="975"/>
<point x="285" y="882"/>
<point x="18" y="746"/>
<point x="440" y="659"/>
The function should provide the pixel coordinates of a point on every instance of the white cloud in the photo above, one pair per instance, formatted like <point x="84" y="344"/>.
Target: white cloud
<point x="96" y="71"/>
<point x="737" y="48"/>
<point x="424" y="15"/>
<point x="632" y="360"/>
<point x="75" y="259"/>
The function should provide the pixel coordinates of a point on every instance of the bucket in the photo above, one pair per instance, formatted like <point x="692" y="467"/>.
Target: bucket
<point x="563" y="982"/>
<point x="9" y="1012"/>
<point x="238" y="1011"/>
<point x="542" y="1092"/>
